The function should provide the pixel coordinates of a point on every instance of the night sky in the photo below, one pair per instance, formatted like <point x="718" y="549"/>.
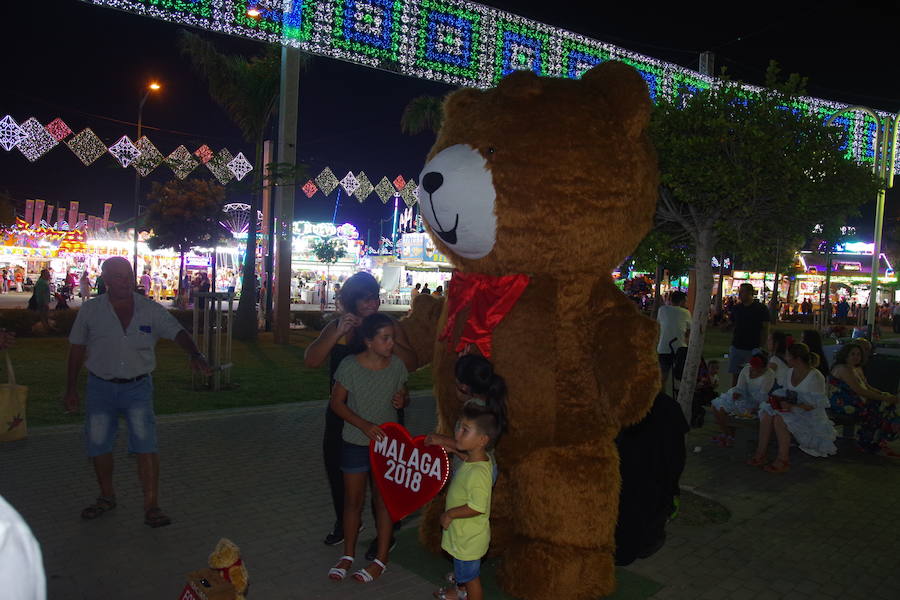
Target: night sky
<point x="88" y="65"/>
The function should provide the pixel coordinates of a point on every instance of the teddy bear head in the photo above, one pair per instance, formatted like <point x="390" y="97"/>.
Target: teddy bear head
<point x="225" y="554"/>
<point x="543" y="175"/>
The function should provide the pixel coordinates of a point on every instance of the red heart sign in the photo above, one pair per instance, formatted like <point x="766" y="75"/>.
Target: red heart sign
<point x="407" y="472"/>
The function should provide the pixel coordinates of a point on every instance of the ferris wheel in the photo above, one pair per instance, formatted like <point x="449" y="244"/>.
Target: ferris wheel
<point x="237" y="218"/>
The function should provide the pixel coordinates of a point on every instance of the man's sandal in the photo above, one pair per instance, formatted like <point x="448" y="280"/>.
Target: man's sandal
<point x="101" y="506"/>
<point x="779" y="466"/>
<point x="364" y="576"/>
<point x="337" y="573"/>
<point x="154" y="517"/>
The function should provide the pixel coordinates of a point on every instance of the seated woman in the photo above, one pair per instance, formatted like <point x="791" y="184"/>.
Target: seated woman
<point x="852" y="395"/>
<point x="798" y="409"/>
<point x="753" y="386"/>
<point x="779" y="342"/>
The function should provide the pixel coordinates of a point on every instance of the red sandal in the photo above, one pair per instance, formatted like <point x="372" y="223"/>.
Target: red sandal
<point x="757" y="461"/>
<point x="778" y="466"/>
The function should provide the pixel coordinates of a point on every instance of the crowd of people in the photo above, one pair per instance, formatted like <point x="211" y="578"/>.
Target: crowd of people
<point x="788" y="386"/>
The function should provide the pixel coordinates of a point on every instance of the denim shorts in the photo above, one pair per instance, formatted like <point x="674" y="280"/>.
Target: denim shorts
<point x="105" y="401"/>
<point x="354" y="458"/>
<point x="465" y="571"/>
<point x="738" y="357"/>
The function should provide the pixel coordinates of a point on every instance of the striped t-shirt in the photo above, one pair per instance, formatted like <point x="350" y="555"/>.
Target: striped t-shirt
<point x="370" y="393"/>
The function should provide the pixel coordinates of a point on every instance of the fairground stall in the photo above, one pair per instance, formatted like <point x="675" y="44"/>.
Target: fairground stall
<point x="851" y="275"/>
<point x="308" y="271"/>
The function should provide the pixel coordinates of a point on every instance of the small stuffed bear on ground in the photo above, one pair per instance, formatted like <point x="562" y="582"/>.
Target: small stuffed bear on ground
<point x="549" y="183"/>
<point x="227" y="559"/>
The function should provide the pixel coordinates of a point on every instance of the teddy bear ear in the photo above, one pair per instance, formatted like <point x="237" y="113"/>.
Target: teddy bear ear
<point x="625" y="91"/>
<point x="520" y="84"/>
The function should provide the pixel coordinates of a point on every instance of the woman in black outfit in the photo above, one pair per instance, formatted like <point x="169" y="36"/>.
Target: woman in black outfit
<point x="359" y="298"/>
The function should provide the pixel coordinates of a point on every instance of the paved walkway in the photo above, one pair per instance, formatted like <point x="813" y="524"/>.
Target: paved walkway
<point x="827" y="529"/>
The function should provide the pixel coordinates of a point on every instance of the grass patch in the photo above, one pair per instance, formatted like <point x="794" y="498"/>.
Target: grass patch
<point x="264" y="373"/>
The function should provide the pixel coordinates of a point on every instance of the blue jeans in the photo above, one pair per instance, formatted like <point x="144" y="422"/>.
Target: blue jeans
<point x="105" y="401"/>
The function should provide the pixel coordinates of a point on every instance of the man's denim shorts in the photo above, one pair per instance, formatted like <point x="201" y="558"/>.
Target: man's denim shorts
<point x="465" y="571"/>
<point x="354" y="458"/>
<point x="105" y="401"/>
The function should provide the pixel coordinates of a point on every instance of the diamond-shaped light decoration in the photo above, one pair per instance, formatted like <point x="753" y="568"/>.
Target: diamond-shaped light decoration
<point x="87" y="146"/>
<point x="240" y="166"/>
<point x="365" y="187"/>
<point x="58" y="129"/>
<point x="326" y="181"/>
<point x="150" y="157"/>
<point x="410" y="193"/>
<point x="182" y="162"/>
<point x="125" y="151"/>
<point x="10" y="133"/>
<point x="204" y="153"/>
<point x="309" y="188"/>
<point x="37" y="141"/>
<point x="349" y="183"/>
<point x="384" y="189"/>
<point x="218" y="165"/>
<point x="399" y="183"/>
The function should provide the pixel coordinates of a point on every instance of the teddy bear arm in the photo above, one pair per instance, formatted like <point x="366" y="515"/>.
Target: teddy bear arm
<point x="628" y="368"/>
<point x="416" y="332"/>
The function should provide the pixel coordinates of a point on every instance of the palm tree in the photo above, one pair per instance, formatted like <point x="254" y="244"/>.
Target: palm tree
<point x="421" y="114"/>
<point x="247" y="88"/>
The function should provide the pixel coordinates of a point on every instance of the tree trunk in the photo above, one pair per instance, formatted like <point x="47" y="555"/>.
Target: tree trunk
<point x="700" y="318"/>
<point x="657" y="283"/>
<point x="720" y="286"/>
<point x="773" y="310"/>
<point x="245" y="320"/>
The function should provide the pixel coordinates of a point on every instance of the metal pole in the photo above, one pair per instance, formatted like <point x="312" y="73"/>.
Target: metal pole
<point x="137" y="190"/>
<point x="284" y="194"/>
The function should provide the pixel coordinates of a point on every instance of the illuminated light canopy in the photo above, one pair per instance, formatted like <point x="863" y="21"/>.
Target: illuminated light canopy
<point x="309" y="188"/>
<point x="204" y="153"/>
<point x="87" y="146"/>
<point x="399" y="183"/>
<point x="10" y="133"/>
<point x="327" y="181"/>
<point x="384" y="189"/>
<point x="457" y="42"/>
<point x="240" y="166"/>
<point x="363" y="188"/>
<point x="58" y="129"/>
<point x="150" y="157"/>
<point x="218" y="166"/>
<point x="410" y="193"/>
<point x="125" y="151"/>
<point x="349" y="183"/>
<point x="37" y="141"/>
<point x="182" y="162"/>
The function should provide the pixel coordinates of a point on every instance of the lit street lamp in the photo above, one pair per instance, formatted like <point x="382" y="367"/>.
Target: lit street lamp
<point x="152" y="87"/>
<point x="883" y="163"/>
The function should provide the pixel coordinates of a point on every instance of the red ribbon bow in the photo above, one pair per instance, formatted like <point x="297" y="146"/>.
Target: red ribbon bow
<point x="488" y="299"/>
<point x="224" y="570"/>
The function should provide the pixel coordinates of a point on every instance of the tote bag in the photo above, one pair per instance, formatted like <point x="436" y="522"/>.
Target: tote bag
<point x="12" y="407"/>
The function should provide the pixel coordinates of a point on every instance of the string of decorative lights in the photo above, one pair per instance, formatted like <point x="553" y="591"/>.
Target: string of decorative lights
<point x="454" y="41"/>
<point x="34" y="140"/>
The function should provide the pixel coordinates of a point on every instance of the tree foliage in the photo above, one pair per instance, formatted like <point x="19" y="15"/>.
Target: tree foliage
<point x="423" y="113"/>
<point x="745" y="170"/>
<point x="329" y="250"/>
<point x="185" y="214"/>
<point x="665" y="248"/>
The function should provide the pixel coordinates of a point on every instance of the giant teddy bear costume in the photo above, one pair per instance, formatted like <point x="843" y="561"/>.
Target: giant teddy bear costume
<point x="536" y="190"/>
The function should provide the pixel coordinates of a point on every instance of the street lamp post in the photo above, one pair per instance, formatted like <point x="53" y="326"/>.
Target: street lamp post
<point x="884" y="159"/>
<point x="137" y="178"/>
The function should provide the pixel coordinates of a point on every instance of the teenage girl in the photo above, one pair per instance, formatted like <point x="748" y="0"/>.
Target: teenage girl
<point x="368" y="389"/>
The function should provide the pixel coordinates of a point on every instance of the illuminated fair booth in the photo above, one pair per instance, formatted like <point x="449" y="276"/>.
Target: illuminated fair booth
<point x="851" y="274"/>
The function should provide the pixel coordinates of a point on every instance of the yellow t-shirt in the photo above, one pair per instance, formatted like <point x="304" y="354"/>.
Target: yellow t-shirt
<point x="468" y="539"/>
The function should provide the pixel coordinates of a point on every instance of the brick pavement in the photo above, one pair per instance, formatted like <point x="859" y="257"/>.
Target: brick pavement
<point x="827" y="529"/>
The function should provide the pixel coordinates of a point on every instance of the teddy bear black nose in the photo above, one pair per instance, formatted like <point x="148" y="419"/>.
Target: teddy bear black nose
<point x="432" y="181"/>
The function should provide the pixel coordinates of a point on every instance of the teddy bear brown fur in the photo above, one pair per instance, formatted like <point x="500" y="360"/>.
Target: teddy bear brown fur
<point x="574" y="182"/>
<point x="226" y="558"/>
